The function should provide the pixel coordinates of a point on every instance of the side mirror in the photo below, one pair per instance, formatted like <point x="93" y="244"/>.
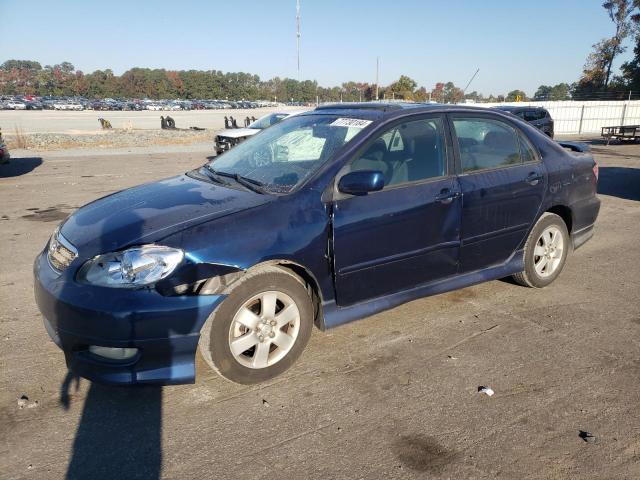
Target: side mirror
<point x="361" y="182"/>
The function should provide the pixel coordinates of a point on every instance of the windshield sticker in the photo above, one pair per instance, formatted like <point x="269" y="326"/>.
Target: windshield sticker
<point x="350" y="122"/>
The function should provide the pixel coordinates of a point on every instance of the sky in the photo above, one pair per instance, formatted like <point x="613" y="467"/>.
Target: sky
<point x="515" y="44"/>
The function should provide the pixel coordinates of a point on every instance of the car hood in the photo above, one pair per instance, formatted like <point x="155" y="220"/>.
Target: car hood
<point x="238" y="132"/>
<point x="150" y="212"/>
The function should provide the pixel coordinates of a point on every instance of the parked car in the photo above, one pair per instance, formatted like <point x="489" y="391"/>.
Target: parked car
<point x="67" y="105"/>
<point x="228" y="138"/>
<point x="33" y="105"/>
<point x="13" y="105"/>
<point x="537" y="116"/>
<point x="326" y="217"/>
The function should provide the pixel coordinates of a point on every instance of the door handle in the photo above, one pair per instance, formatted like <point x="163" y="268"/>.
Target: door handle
<point x="446" y="196"/>
<point x="533" y="178"/>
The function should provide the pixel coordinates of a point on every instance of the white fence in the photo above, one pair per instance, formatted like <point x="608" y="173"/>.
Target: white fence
<point x="571" y="117"/>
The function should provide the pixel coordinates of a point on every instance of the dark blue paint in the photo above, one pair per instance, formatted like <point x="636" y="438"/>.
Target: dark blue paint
<point x="364" y="254"/>
<point x="391" y="235"/>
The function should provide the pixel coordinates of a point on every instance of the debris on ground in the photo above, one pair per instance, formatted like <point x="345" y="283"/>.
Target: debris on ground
<point x="23" y="402"/>
<point x="105" y="124"/>
<point x="265" y="403"/>
<point x="486" y="390"/>
<point x="587" y="437"/>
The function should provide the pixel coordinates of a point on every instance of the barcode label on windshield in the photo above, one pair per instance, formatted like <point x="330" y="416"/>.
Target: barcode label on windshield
<point x="350" y="122"/>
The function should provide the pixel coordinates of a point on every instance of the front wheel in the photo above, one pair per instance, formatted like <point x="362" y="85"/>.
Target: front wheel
<point x="260" y="329"/>
<point x="545" y="252"/>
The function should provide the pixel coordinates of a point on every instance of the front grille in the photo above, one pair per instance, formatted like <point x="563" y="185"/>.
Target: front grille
<point x="61" y="252"/>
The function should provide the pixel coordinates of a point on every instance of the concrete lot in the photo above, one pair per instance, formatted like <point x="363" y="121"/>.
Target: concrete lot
<point x="52" y="121"/>
<point x="392" y="396"/>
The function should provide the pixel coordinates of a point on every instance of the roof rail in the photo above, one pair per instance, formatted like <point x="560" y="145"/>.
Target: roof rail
<point x="384" y="107"/>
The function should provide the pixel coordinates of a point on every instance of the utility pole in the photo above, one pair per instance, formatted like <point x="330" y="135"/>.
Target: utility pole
<point x="377" y="73"/>
<point x="298" y="34"/>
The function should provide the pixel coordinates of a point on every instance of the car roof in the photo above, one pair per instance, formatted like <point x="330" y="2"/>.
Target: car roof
<point x="380" y="110"/>
<point x="516" y="108"/>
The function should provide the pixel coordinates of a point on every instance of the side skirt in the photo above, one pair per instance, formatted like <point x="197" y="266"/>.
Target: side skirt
<point x="581" y="237"/>
<point x="335" y="315"/>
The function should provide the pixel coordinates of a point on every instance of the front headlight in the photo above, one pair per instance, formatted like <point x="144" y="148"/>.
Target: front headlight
<point x="135" y="267"/>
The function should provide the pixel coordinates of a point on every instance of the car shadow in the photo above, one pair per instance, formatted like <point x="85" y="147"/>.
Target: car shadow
<point x="120" y="431"/>
<point x="19" y="166"/>
<point x="119" y="434"/>
<point x="622" y="182"/>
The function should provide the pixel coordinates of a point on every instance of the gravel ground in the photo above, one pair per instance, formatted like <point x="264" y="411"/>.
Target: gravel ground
<point x="392" y="396"/>
<point x="47" y="130"/>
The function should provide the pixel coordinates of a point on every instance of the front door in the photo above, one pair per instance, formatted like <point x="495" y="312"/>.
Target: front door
<point x="408" y="233"/>
<point x="502" y="182"/>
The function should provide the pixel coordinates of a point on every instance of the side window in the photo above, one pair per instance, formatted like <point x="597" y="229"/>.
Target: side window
<point x="408" y="152"/>
<point x="486" y="144"/>
<point x="528" y="155"/>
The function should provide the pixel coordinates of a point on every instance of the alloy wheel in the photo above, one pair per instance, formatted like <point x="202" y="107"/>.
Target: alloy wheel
<point x="547" y="254"/>
<point x="264" y="329"/>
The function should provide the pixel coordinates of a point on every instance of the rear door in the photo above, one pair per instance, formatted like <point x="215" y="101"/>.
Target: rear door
<point x="502" y="181"/>
<point x="408" y="233"/>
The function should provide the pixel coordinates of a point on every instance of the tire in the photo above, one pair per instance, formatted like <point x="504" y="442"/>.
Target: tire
<point x="539" y="273"/>
<point x="246" y="315"/>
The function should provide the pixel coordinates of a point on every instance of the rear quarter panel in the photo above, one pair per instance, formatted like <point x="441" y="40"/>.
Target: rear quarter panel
<point x="571" y="181"/>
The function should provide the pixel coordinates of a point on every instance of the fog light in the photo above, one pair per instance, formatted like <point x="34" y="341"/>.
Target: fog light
<point x="113" y="353"/>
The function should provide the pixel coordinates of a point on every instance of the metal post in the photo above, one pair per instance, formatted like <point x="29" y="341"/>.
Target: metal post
<point x="581" y="117"/>
<point x="624" y="112"/>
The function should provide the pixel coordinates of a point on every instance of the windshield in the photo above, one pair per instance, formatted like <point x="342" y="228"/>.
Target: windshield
<point x="285" y="155"/>
<point x="267" y="121"/>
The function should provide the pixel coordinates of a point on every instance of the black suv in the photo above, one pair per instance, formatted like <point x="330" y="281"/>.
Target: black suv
<point x="536" y="116"/>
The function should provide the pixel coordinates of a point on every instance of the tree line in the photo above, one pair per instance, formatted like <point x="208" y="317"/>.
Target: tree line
<point x="598" y="80"/>
<point x="26" y="77"/>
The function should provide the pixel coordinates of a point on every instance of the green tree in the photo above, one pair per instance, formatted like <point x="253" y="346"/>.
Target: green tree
<point x="402" y="88"/>
<point x="452" y="94"/>
<point x="515" y="95"/>
<point x="596" y="74"/>
<point x="543" y="93"/>
<point x="631" y="70"/>
<point x="560" y="92"/>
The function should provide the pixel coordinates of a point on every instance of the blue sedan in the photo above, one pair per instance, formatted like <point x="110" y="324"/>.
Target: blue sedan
<point x="327" y="217"/>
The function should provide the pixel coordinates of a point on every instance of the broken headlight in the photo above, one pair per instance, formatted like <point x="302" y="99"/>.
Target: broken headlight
<point x="135" y="267"/>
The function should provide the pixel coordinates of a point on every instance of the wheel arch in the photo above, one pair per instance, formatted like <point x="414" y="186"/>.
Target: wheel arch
<point x="309" y="280"/>
<point x="563" y="212"/>
<point x="223" y="284"/>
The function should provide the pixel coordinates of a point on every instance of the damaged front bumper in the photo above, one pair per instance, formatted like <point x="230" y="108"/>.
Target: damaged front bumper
<point x="164" y="329"/>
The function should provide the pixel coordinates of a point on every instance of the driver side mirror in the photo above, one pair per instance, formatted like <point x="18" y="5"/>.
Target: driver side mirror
<point x="361" y="182"/>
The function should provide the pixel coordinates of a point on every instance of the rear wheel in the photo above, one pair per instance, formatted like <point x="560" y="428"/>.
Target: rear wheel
<point x="545" y="252"/>
<point x="260" y="329"/>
